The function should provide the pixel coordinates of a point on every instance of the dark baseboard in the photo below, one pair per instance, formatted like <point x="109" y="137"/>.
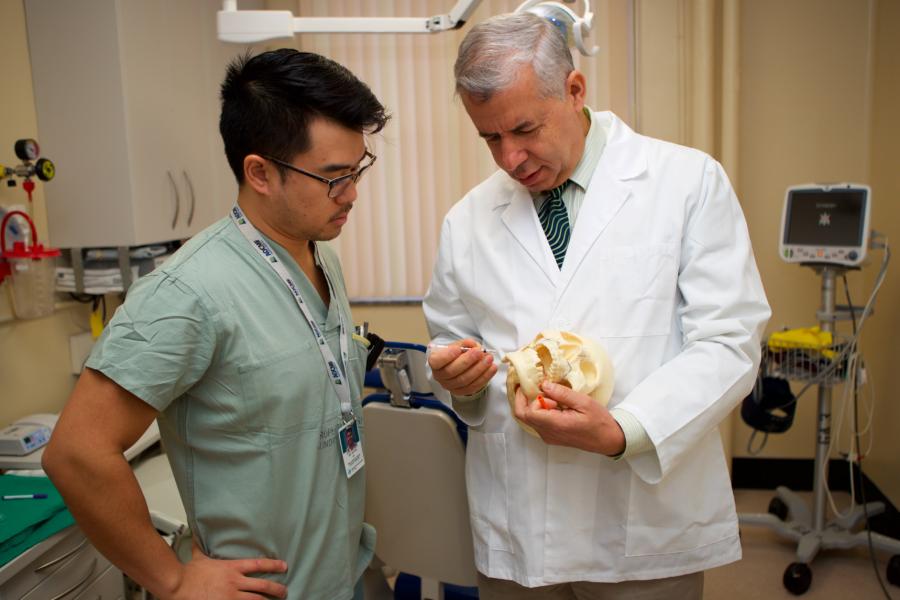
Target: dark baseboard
<point x="797" y="474"/>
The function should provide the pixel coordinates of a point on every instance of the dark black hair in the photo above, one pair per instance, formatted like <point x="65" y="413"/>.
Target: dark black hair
<point x="269" y="100"/>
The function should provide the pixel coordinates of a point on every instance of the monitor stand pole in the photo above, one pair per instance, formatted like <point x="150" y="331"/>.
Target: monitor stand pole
<point x="789" y="515"/>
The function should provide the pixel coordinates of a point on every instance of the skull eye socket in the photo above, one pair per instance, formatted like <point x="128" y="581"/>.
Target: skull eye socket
<point x="589" y="369"/>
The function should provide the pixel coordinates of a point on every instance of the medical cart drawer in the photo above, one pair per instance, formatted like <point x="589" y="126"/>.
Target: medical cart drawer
<point x="62" y="547"/>
<point x="72" y="577"/>
<point x="109" y="586"/>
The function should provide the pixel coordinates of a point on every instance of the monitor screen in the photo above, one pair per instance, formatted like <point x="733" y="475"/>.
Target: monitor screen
<point x="826" y="218"/>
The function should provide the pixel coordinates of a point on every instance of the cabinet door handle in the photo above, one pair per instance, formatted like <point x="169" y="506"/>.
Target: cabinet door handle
<point x="177" y="198"/>
<point x="190" y="185"/>
<point x="80" y="582"/>
<point x="59" y="559"/>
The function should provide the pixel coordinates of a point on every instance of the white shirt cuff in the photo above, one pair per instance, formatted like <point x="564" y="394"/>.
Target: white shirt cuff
<point x="472" y="397"/>
<point x="636" y="439"/>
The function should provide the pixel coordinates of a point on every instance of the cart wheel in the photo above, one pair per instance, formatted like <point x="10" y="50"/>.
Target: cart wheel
<point x="797" y="578"/>
<point x="893" y="570"/>
<point x="778" y="508"/>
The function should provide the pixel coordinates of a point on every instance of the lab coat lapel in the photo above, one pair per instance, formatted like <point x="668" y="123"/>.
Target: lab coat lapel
<point x="604" y="198"/>
<point x="622" y="160"/>
<point x="521" y="221"/>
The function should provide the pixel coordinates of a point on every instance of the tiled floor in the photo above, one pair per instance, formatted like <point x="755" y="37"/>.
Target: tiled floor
<point x="837" y="574"/>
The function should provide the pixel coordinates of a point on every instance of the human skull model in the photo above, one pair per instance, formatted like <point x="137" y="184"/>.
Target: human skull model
<point x="561" y="357"/>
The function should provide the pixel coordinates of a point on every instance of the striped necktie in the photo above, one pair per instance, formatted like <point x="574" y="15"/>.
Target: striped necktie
<point x="555" y="221"/>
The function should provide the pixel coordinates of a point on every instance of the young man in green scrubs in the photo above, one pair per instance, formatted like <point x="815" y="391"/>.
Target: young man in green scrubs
<point x="241" y="346"/>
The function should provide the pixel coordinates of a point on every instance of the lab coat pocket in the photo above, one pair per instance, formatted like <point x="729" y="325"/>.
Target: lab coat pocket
<point x="285" y="393"/>
<point x="687" y="509"/>
<point x="642" y="284"/>
<point x="488" y="490"/>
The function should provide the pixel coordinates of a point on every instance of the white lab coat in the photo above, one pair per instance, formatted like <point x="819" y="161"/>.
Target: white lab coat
<point x="660" y="271"/>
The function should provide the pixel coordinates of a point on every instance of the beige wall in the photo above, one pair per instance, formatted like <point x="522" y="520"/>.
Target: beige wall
<point x="394" y="323"/>
<point x="804" y="118"/>
<point x="819" y="91"/>
<point x="881" y="341"/>
<point x="34" y="355"/>
<point x="816" y="91"/>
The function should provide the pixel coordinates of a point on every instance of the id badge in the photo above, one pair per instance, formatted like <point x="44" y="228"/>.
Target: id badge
<point x="351" y="448"/>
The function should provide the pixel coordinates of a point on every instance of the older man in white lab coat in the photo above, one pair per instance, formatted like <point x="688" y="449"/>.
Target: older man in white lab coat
<point x="634" y="501"/>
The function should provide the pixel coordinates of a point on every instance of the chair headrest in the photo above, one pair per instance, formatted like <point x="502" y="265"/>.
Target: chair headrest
<point x="416" y="367"/>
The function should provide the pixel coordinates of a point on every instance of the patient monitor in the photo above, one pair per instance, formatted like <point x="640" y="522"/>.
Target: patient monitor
<point x="825" y="224"/>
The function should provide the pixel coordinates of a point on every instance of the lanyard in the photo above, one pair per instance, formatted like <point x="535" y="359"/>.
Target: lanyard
<point x="334" y="370"/>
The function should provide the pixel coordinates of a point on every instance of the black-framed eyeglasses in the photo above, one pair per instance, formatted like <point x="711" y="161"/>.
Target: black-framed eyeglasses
<point x="336" y="186"/>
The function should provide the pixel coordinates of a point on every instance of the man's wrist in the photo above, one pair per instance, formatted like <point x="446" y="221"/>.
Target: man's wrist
<point x="621" y="441"/>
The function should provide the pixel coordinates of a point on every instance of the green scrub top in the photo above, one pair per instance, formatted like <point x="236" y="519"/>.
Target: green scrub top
<point x="249" y="417"/>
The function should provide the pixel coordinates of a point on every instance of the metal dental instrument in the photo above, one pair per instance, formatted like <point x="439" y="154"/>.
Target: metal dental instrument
<point x="466" y="349"/>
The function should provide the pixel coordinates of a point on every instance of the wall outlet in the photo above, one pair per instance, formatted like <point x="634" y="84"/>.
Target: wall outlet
<point x="80" y="346"/>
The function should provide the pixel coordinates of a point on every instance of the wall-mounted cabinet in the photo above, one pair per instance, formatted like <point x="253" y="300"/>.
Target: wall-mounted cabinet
<point x="127" y="108"/>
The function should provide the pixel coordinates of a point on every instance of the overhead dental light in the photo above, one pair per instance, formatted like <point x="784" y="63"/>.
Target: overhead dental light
<point x="248" y="26"/>
<point x="574" y="28"/>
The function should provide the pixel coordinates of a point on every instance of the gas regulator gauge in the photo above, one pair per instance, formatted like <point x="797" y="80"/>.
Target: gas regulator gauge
<point x="27" y="149"/>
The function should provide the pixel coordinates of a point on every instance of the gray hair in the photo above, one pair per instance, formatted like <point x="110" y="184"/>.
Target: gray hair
<point x="493" y="51"/>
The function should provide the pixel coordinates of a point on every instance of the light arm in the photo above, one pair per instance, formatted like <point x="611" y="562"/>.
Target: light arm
<point x="245" y="26"/>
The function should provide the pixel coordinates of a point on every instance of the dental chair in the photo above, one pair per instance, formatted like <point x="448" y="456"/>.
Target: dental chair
<point x="415" y="482"/>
